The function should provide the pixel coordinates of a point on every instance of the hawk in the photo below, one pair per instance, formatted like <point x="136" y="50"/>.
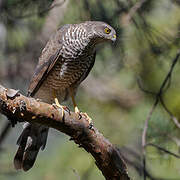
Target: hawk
<point x="64" y="63"/>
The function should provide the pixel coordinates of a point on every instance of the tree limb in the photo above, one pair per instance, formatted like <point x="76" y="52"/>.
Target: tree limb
<point x="19" y="108"/>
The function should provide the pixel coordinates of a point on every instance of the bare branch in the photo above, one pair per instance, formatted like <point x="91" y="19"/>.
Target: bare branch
<point x="176" y="122"/>
<point x="158" y="98"/>
<point x="19" y="108"/>
<point x="163" y="149"/>
<point x="144" y="137"/>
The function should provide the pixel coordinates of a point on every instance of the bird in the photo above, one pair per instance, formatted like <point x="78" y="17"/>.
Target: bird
<point x="64" y="63"/>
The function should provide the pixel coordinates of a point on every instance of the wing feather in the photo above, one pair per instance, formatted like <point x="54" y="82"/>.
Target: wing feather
<point x="50" y="55"/>
<point x="90" y="67"/>
<point x="41" y="73"/>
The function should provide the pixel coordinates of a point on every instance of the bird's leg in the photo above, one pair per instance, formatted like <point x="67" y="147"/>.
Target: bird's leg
<point x="58" y="104"/>
<point x="76" y="109"/>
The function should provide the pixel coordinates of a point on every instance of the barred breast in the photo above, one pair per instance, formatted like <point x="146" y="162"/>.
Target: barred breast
<point x="66" y="73"/>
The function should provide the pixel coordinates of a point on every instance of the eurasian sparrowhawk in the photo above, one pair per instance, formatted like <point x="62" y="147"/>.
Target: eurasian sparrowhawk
<point x="64" y="63"/>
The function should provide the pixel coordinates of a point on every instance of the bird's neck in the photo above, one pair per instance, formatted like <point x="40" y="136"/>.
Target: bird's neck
<point x="77" y="43"/>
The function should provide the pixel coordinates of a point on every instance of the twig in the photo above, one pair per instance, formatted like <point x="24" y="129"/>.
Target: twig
<point x="163" y="149"/>
<point x="144" y="137"/>
<point x="167" y="79"/>
<point x="176" y="122"/>
<point x="136" y="163"/>
<point x="20" y="108"/>
<point x="158" y="98"/>
<point x="168" y="76"/>
<point x="143" y="89"/>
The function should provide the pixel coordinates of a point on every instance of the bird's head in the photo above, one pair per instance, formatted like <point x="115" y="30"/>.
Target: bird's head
<point x="102" y="32"/>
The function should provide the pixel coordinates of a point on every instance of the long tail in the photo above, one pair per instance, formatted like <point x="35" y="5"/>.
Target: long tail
<point x="30" y="141"/>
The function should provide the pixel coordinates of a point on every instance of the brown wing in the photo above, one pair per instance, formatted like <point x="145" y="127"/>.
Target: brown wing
<point x="92" y="60"/>
<point x="47" y="60"/>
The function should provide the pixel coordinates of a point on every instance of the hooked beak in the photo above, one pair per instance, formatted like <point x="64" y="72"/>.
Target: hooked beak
<point x="113" y="38"/>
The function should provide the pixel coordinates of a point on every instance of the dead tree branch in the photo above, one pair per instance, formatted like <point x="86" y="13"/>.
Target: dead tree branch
<point x="164" y="86"/>
<point x="107" y="157"/>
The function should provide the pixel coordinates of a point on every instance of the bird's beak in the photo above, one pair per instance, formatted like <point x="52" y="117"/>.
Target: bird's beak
<point x="113" y="38"/>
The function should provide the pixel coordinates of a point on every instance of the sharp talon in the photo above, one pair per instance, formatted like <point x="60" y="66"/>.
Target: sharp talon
<point x="79" y="116"/>
<point x="55" y="106"/>
<point x="88" y="118"/>
<point x="90" y="125"/>
<point x="68" y="110"/>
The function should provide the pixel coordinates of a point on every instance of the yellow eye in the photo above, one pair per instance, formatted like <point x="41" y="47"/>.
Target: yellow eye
<point x="107" y="30"/>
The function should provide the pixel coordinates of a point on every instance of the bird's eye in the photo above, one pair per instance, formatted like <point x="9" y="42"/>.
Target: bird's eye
<point x="107" y="30"/>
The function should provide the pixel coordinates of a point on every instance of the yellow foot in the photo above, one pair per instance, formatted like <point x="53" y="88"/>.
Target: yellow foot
<point x="87" y="117"/>
<point x="77" y="111"/>
<point x="61" y="107"/>
<point x="89" y="120"/>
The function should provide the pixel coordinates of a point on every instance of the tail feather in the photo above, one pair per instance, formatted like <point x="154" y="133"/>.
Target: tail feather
<point x="44" y="134"/>
<point x="30" y="141"/>
<point x="22" y="145"/>
<point x="30" y="157"/>
<point x="18" y="158"/>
